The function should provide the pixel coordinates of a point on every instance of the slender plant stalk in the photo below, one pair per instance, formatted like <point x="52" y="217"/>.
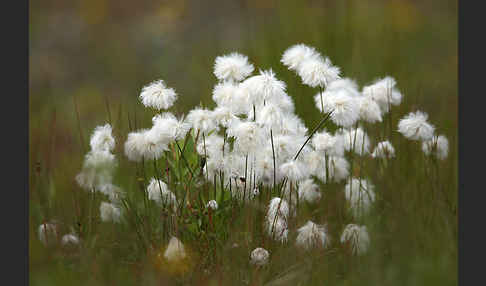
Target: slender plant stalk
<point x="274" y="163"/>
<point x="313" y="132"/>
<point x="91" y="205"/>
<point x="246" y="168"/>
<point x="322" y="101"/>
<point x="81" y="137"/>
<point x="184" y="159"/>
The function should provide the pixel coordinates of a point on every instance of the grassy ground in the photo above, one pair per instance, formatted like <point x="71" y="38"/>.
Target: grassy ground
<point x="97" y="74"/>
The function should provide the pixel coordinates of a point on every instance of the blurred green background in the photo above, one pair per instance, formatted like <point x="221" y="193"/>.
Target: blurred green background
<point x="94" y="56"/>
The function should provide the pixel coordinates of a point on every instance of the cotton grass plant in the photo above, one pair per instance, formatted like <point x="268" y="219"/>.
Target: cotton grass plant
<point x="250" y="160"/>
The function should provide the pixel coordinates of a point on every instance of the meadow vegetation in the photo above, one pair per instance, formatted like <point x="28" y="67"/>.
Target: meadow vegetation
<point x="332" y="162"/>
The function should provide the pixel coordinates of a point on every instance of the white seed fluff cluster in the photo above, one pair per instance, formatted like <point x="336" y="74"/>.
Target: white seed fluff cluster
<point x="369" y="110"/>
<point x="414" y="126"/>
<point x="357" y="238"/>
<point x="254" y="144"/>
<point x="332" y="145"/>
<point x="276" y="219"/>
<point x="158" y="96"/>
<point x="159" y="192"/>
<point x="233" y="67"/>
<point x="259" y="256"/>
<point x="344" y="108"/>
<point x="314" y="69"/>
<point x="356" y="140"/>
<point x="110" y="212"/>
<point x="318" y="71"/>
<point x="360" y="195"/>
<point x="384" y="93"/>
<point x="311" y="235"/>
<point x="383" y="149"/>
<point x="212" y="204"/>
<point x="69" y="239"/>
<point x="114" y="193"/>
<point x="438" y="146"/>
<point x="47" y="233"/>
<point x="102" y="138"/>
<point x="296" y="54"/>
<point x="99" y="165"/>
<point x="150" y="144"/>
<point x="309" y="191"/>
<point x="175" y="250"/>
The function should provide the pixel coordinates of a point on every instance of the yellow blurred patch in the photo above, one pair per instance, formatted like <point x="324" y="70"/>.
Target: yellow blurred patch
<point x="169" y="14"/>
<point x="405" y="15"/>
<point x="261" y="4"/>
<point x="93" y="11"/>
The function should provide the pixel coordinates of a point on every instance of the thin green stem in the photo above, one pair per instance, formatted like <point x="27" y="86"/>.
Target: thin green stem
<point x="313" y="132"/>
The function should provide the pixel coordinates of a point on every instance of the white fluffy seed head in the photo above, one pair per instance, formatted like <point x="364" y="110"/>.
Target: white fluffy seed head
<point x="102" y="138"/>
<point x="384" y="93"/>
<point x="90" y="179"/>
<point x="314" y="161"/>
<point x="169" y="128"/>
<point x="357" y="238"/>
<point x="159" y="192"/>
<point x="113" y="192"/>
<point x="69" y="239"/>
<point x="309" y="191"/>
<point x="414" y="126"/>
<point x="286" y="146"/>
<point x="360" y="196"/>
<point x="133" y="145"/>
<point x="311" y="235"/>
<point x="271" y="117"/>
<point x="255" y="192"/>
<point x="263" y="87"/>
<point x="369" y="110"/>
<point x="234" y="165"/>
<point x="99" y="159"/>
<point x="212" y="204"/>
<point x="224" y="93"/>
<point x="264" y="167"/>
<point x="148" y="143"/>
<point x="345" y="108"/>
<point x="317" y="71"/>
<point x="153" y="144"/>
<point x="259" y="256"/>
<point x="234" y="67"/>
<point x="293" y="125"/>
<point x="332" y="145"/>
<point x="249" y="136"/>
<point x="224" y="116"/>
<point x="383" y="149"/>
<point x="212" y="146"/>
<point x="157" y="95"/>
<point x="437" y="146"/>
<point x="347" y="85"/>
<point x="284" y="102"/>
<point x="277" y="228"/>
<point x="296" y="54"/>
<point x="355" y="140"/>
<point x="97" y="169"/>
<point x="47" y="233"/>
<point x="294" y="170"/>
<point x="175" y="250"/>
<point x="337" y="167"/>
<point x="109" y="212"/>
<point x="277" y="207"/>
<point x="202" y="120"/>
